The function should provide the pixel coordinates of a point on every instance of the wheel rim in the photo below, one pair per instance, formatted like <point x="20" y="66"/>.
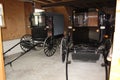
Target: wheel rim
<point x="50" y="46"/>
<point x="63" y="49"/>
<point x="26" y="42"/>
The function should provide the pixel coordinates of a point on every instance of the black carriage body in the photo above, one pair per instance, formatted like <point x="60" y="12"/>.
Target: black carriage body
<point x="91" y="25"/>
<point x="38" y="26"/>
<point x="57" y="23"/>
<point x="86" y="24"/>
<point x="89" y="29"/>
<point x="87" y="35"/>
<point x="44" y="23"/>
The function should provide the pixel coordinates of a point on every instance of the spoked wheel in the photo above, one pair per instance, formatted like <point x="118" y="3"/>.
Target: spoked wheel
<point x="63" y="49"/>
<point x="50" y="46"/>
<point x="26" y="42"/>
<point x="58" y="41"/>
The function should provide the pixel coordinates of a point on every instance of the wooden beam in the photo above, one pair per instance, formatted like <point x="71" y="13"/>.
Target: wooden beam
<point x="52" y="1"/>
<point x="60" y="3"/>
<point x="82" y="3"/>
<point x="40" y="1"/>
<point x="115" y="64"/>
<point x="2" y="71"/>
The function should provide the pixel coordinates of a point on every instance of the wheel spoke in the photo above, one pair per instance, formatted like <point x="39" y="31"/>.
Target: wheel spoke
<point x="46" y="50"/>
<point x="54" y="50"/>
<point x="26" y="42"/>
<point x="50" y="46"/>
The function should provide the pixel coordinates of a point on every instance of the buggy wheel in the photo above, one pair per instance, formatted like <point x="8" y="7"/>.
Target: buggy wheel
<point x="50" y="46"/>
<point x="26" y="42"/>
<point x="63" y="49"/>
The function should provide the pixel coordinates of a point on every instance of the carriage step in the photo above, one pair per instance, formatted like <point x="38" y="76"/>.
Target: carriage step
<point x="85" y="56"/>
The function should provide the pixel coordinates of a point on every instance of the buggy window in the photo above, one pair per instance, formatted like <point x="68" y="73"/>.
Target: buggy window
<point x="1" y="16"/>
<point x="86" y="19"/>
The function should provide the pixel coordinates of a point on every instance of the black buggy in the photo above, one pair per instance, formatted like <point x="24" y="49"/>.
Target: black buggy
<point x="89" y="36"/>
<point x="46" y="31"/>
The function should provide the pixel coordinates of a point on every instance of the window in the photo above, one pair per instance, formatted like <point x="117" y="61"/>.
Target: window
<point x="1" y="16"/>
<point x="39" y="18"/>
<point x="39" y="10"/>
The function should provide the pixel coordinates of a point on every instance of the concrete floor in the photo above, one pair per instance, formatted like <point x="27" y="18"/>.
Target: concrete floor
<point x="36" y="66"/>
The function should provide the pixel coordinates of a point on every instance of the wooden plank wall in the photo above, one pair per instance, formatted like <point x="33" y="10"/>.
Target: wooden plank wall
<point x="14" y="19"/>
<point x="28" y="11"/>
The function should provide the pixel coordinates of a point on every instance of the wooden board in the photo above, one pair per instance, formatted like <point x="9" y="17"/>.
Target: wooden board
<point x="2" y="71"/>
<point x="115" y="65"/>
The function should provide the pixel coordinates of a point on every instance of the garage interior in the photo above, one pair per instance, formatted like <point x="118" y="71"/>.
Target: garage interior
<point x="35" y="65"/>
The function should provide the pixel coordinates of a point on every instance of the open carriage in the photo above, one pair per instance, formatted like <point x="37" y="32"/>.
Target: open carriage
<point x="46" y="30"/>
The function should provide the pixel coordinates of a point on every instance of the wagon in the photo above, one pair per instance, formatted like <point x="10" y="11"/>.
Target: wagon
<point x="46" y="31"/>
<point x="89" y="36"/>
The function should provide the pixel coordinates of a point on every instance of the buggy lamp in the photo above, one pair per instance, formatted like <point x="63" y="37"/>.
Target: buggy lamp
<point x="47" y="27"/>
<point x="106" y="36"/>
<point x="102" y="27"/>
<point x="97" y="30"/>
<point x="69" y="27"/>
<point x="73" y="29"/>
<point x="97" y="9"/>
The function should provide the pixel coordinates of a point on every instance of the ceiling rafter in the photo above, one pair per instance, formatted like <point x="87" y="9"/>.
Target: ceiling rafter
<point x="60" y="3"/>
<point x="38" y="1"/>
<point x="52" y="1"/>
<point x="82" y="3"/>
<point x="74" y="3"/>
<point x="43" y="2"/>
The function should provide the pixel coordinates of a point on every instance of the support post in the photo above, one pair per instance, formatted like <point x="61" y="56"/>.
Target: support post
<point x="115" y="64"/>
<point x="2" y="71"/>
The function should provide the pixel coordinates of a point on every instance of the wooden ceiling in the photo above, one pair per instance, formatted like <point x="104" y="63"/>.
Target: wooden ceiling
<point x="78" y="3"/>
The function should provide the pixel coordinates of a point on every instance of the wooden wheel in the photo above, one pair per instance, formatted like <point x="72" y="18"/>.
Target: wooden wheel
<point x="50" y="46"/>
<point x="63" y="49"/>
<point x="26" y="42"/>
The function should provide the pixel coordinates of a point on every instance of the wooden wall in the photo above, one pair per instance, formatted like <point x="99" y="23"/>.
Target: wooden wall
<point x="14" y="19"/>
<point x="28" y="10"/>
